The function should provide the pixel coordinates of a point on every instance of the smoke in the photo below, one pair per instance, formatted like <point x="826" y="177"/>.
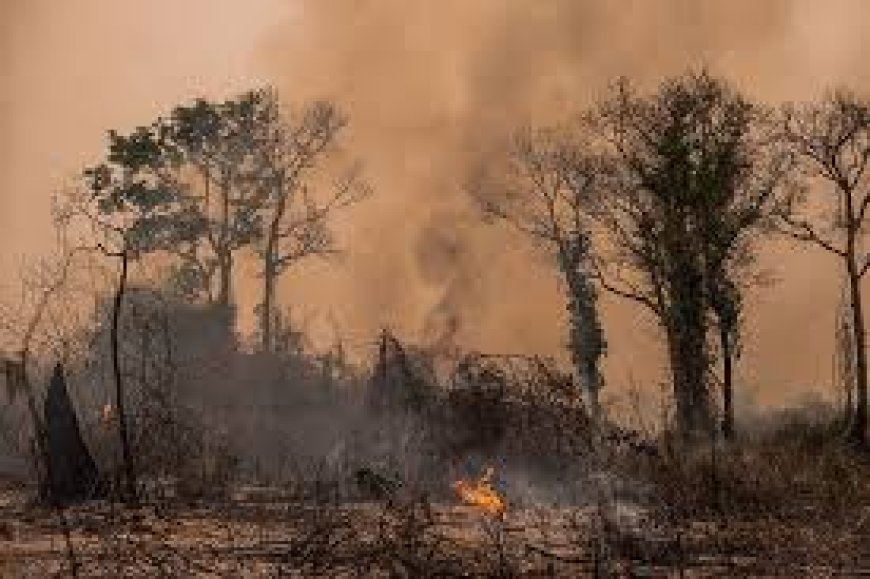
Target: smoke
<point x="432" y="88"/>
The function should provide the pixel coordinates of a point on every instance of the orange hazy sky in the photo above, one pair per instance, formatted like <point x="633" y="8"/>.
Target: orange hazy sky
<point x="429" y="86"/>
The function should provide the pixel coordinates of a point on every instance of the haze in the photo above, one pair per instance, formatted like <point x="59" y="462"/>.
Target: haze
<point x="430" y="88"/>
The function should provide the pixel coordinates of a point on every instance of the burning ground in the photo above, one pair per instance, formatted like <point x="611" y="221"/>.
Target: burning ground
<point x="269" y="535"/>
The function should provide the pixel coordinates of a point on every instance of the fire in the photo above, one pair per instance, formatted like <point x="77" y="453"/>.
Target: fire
<point x="480" y="493"/>
<point x="107" y="414"/>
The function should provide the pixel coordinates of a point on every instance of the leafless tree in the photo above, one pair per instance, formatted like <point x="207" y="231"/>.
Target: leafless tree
<point x="290" y="150"/>
<point x="52" y="277"/>
<point x="113" y="239"/>
<point x="46" y="324"/>
<point x="546" y="192"/>
<point x="832" y="140"/>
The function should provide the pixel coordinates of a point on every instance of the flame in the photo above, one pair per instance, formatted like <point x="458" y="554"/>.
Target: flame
<point x="107" y="414"/>
<point x="480" y="493"/>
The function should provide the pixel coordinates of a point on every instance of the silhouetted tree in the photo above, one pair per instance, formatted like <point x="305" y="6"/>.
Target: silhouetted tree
<point x="238" y="174"/>
<point x="693" y="176"/>
<point x="844" y="337"/>
<point x="211" y="147"/>
<point x="546" y="192"/>
<point x="130" y="205"/>
<point x="726" y="303"/>
<point x="831" y="138"/>
<point x="289" y="151"/>
<point x="48" y="285"/>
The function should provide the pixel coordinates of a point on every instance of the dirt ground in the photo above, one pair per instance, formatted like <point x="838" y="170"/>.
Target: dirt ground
<point x="262" y="534"/>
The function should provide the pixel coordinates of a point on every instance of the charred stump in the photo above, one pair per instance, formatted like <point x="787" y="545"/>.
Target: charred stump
<point x="71" y="472"/>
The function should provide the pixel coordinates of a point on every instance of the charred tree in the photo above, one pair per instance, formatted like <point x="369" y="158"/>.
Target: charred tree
<point x="120" y="393"/>
<point x="72" y="472"/>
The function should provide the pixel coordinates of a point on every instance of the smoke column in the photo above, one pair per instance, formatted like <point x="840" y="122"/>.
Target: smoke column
<point x="431" y="88"/>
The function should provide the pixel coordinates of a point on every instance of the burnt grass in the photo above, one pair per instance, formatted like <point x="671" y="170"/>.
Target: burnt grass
<point x="272" y="531"/>
<point x="584" y="499"/>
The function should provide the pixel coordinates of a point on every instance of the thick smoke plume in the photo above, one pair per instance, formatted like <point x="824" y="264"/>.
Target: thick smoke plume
<point x="433" y="88"/>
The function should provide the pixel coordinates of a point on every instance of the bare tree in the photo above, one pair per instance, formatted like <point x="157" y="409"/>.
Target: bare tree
<point x="844" y="356"/>
<point x="832" y="140"/>
<point x="693" y="176"/>
<point x="546" y="192"/>
<point x="46" y="328"/>
<point x="25" y="328"/>
<point x="289" y="153"/>
<point x="115" y="243"/>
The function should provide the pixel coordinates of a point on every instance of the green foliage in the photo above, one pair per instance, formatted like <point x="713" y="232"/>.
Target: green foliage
<point x="146" y="186"/>
<point x="141" y="150"/>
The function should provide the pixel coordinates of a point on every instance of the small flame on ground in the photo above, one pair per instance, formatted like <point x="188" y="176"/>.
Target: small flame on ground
<point x="480" y="493"/>
<point x="107" y="413"/>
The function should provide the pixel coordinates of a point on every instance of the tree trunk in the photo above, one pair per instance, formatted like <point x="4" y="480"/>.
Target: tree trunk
<point x="268" y="304"/>
<point x="858" y="430"/>
<point x="688" y="357"/>
<point x="270" y="271"/>
<point x="848" y="404"/>
<point x="42" y="465"/>
<point x="586" y="342"/>
<point x="225" y="268"/>
<point x="224" y="248"/>
<point x="684" y="386"/>
<point x="727" y="383"/>
<point x="846" y="362"/>
<point x="127" y="455"/>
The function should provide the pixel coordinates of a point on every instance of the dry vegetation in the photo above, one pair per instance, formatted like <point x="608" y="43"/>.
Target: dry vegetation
<point x="379" y="501"/>
<point x="166" y="445"/>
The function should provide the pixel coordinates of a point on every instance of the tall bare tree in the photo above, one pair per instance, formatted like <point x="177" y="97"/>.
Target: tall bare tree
<point x="693" y="176"/>
<point x="832" y="140"/>
<point x="296" y="209"/>
<point x="546" y="191"/>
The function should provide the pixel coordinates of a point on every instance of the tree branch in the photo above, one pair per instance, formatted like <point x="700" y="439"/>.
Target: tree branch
<point x="630" y="294"/>
<point x="803" y="231"/>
